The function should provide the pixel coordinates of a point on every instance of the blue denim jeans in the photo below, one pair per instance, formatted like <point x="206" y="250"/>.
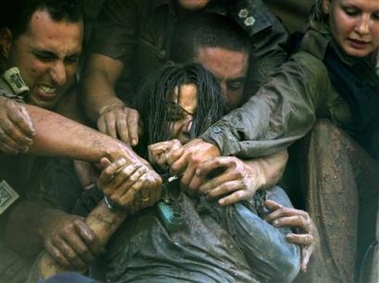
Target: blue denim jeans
<point x="69" y="277"/>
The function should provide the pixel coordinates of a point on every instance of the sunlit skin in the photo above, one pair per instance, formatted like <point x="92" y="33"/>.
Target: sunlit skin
<point x="181" y="113"/>
<point x="354" y="24"/>
<point x="230" y="69"/>
<point x="47" y="55"/>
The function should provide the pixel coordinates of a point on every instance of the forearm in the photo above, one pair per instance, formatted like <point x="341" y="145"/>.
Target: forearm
<point x="270" y="168"/>
<point x="59" y="136"/>
<point x="102" y="221"/>
<point x="97" y="85"/>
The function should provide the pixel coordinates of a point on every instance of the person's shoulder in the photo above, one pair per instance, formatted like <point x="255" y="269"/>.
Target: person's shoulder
<point x="12" y="85"/>
<point x="307" y="62"/>
<point x="253" y="15"/>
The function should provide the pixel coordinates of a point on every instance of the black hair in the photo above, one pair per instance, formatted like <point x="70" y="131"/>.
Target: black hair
<point x="19" y="12"/>
<point x="203" y="29"/>
<point x="157" y="92"/>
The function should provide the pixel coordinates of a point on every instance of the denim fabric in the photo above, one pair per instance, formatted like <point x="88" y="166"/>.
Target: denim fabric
<point x="69" y="277"/>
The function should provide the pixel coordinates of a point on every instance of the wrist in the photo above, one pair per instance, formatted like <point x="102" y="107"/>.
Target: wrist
<point x="259" y="175"/>
<point x="109" y="106"/>
<point x="113" y="206"/>
<point x="118" y="149"/>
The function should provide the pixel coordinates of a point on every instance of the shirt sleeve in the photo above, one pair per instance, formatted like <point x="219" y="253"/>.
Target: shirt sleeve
<point x="271" y="257"/>
<point x="268" y="38"/>
<point x="115" y="29"/>
<point x="282" y="111"/>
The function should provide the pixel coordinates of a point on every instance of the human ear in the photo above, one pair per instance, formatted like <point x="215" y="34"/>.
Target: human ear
<point x="5" y="41"/>
<point x="325" y="6"/>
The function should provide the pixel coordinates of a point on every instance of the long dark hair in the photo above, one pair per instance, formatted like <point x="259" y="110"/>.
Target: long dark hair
<point x="157" y="92"/>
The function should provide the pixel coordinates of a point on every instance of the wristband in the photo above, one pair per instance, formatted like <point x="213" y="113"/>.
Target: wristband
<point x="113" y="206"/>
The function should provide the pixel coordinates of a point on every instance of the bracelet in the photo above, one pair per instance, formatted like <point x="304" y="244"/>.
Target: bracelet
<point x="112" y="205"/>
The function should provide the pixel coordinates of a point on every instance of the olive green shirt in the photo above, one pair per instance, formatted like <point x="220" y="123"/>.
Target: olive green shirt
<point x="285" y="108"/>
<point x="138" y="34"/>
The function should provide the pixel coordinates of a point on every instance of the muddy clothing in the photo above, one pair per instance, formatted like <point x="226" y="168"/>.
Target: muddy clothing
<point x="339" y="185"/>
<point x="213" y="244"/>
<point x="336" y="180"/>
<point x="137" y="33"/>
<point x="21" y="175"/>
<point x="286" y="107"/>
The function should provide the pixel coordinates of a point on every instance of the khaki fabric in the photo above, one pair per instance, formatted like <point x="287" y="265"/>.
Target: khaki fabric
<point x="337" y="182"/>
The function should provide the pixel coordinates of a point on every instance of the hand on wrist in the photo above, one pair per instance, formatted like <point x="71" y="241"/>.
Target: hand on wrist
<point x="113" y="206"/>
<point x="108" y="107"/>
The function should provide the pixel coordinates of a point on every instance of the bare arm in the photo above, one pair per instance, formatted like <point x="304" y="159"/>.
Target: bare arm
<point x="59" y="136"/>
<point x="16" y="128"/>
<point x="63" y="235"/>
<point x="101" y="103"/>
<point x="138" y="188"/>
<point x="98" y="83"/>
<point x="271" y="168"/>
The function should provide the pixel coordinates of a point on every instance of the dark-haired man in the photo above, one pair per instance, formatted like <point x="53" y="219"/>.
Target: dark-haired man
<point x="132" y="38"/>
<point x="40" y="48"/>
<point x="221" y="46"/>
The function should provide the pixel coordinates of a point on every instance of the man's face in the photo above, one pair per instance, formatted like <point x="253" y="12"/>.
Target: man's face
<point x="354" y="24"/>
<point x="47" y="55"/>
<point x="181" y="111"/>
<point x="230" y="69"/>
<point x="192" y="5"/>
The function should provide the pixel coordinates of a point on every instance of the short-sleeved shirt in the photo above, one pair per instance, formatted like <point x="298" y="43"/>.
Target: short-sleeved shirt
<point x="20" y="173"/>
<point x="137" y="33"/>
